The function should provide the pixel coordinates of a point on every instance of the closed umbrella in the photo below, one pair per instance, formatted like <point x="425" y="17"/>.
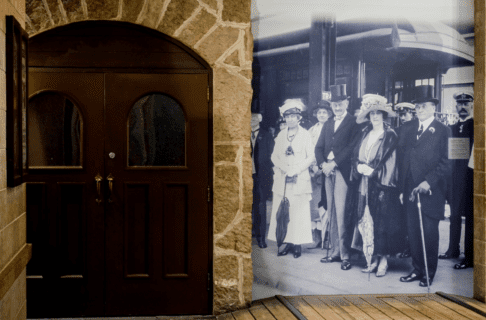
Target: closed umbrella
<point x="365" y="227"/>
<point x="283" y="219"/>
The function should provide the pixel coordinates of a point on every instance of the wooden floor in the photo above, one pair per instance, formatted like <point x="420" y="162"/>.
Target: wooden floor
<point x="381" y="306"/>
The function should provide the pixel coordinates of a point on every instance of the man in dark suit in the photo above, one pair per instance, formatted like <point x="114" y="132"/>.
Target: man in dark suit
<point x="333" y="154"/>
<point x="423" y="169"/>
<point x="262" y="147"/>
<point x="461" y="184"/>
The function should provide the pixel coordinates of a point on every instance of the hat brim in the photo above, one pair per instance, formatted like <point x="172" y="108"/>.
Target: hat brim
<point x="340" y="98"/>
<point x="436" y="101"/>
<point x="362" y="116"/>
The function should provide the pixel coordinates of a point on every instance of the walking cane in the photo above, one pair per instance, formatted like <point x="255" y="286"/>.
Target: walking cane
<point x="329" y="219"/>
<point x="419" y="205"/>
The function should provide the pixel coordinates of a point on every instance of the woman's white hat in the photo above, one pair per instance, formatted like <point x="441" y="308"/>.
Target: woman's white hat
<point x="374" y="102"/>
<point x="291" y="104"/>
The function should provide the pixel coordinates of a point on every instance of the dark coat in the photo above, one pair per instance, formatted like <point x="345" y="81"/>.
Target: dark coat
<point x="341" y="143"/>
<point x="425" y="159"/>
<point x="384" y="173"/>
<point x="263" y="165"/>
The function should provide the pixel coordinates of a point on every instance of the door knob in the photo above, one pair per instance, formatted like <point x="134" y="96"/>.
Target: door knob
<point x="110" y="179"/>
<point x="98" y="180"/>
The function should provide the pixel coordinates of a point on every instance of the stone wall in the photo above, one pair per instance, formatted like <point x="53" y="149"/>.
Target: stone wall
<point x="14" y="253"/>
<point x="479" y="152"/>
<point x="219" y="31"/>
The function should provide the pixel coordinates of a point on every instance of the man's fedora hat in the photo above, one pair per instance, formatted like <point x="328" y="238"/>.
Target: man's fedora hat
<point x="425" y="94"/>
<point x="464" y="96"/>
<point x="338" y="92"/>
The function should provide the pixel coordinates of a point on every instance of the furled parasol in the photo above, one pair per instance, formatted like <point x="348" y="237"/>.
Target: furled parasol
<point x="365" y="227"/>
<point x="283" y="219"/>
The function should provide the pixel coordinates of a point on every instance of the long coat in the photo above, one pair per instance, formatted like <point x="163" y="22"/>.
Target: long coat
<point x="425" y="159"/>
<point x="341" y="143"/>
<point x="263" y="165"/>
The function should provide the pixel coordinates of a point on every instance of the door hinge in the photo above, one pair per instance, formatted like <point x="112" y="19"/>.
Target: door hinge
<point x="209" y="194"/>
<point x="208" y="94"/>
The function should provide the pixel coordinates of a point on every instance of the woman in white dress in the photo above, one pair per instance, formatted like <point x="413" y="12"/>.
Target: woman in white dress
<point x="292" y="156"/>
<point x="322" y="112"/>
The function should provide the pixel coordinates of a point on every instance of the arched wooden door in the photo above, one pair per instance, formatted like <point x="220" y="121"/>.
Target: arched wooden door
<point x="118" y="199"/>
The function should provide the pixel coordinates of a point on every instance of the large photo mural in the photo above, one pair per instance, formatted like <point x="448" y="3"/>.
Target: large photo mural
<point x="362" y="139"/>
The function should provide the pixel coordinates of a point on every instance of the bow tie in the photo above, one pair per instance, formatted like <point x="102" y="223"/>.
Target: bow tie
<point x="336" y="118"/>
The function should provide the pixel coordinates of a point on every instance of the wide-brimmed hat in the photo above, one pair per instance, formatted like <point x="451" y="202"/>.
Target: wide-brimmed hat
<point x="338" y="92"/>
<point x="374" y="102"/>
<point x="323" y="104"/>
<point x="294" y="106"/>
<point x="425" y="94"/>
<point x="404" y="105"/>
<point x="464" y="96"/>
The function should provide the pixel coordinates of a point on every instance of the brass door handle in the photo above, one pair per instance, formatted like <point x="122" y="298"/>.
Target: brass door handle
<point x="98" y="180"/>
<point x="110" y="179"/>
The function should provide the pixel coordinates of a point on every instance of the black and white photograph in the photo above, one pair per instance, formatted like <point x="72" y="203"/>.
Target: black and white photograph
<point x="362" y="138"/>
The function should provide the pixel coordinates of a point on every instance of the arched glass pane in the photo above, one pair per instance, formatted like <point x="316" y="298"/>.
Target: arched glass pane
<point x="54" y="131"/>
<point x="157" y="132"/>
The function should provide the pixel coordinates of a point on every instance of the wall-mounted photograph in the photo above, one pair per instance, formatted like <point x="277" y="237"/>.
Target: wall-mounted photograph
<point x="362" y="138"/>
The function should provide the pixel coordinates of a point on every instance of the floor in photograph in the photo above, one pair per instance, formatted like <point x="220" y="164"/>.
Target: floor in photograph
<point x="308" y="276"/>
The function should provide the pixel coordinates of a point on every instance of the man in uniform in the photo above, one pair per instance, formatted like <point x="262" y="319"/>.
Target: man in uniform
<point x="262" y="147"/>
<point x="333" y="155"/>
<point x="461" y="185"/>
<point x="423" y="170"/>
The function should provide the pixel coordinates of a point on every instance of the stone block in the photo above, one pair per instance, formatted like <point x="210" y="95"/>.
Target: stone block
<point x="73" y="9"/>
<point x="479" y="40"/>
<point x="3" y="86"/>
<point x="226" y="196"/>
<point x="3" y="209"/>
<point x="225" y="153"/>
<point x="152" y="14"/>
<point x="131" y="10"/>
<point x="248" y="42"/>
<point x="2" y="60"/>
<point x="479" y="182"/>
<point x="233" y="59"/>
<point x="225" y="299"/>
<point x="53" y="7"/>
<point x="479" y="134"/>
<point x="217" y="43"/>
<point x="213" y="4"/>
<point x="246" y="73"/>
<point x="479" y="229"/>
<point x="479" y="206"/>
<point x="177" y="12"/>
<point x="479" y="93"/>
<point x="479" y="5"/>
<point x="479" y="252"/>
<point x="237" y="11"/>
<point x="479" y="292"/>
<point x="226" y="294"/>
<point x="3" y="169"/>
<point x="102" y="9"/>
<point x="247" y="279"/>
<point x="3" y="129"/>
<point x="479" y="164"/>
<point x="197" y="28"/>
<point x="232" y="113"/>
<point x="14" y="299"/>
<point x="239" y="237"/>
<point x="247" y="180"/>
<point x="38" y="15"/>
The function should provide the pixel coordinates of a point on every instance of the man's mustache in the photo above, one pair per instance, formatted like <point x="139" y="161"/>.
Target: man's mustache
<point x="463" y="112"/>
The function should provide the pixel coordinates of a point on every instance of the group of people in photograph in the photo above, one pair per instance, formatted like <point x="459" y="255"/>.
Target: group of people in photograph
<point x="361" y="183"/>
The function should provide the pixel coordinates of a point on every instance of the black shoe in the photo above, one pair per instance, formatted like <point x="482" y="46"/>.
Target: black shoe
<point x="345" y="265"/>
<point x="423" y="281"/>
<point x="297" y="251"/>
<point x="464" y="264"/>
<point x="411" y="277"/>
<point x="449" y="255"/>
<point x="261" y="243"/>
<point x="330" y="259"/>
<point x="286" y="250"/>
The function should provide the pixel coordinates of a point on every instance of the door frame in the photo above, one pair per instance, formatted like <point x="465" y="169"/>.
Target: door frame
<point x="123" y="69"/>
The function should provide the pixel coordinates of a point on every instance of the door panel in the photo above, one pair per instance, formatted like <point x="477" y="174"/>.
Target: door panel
<point x="157" y="224"/>
<point x="65" y="276"/>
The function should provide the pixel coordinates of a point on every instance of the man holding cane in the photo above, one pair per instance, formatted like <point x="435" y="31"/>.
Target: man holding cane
<point x="423" y="169"/>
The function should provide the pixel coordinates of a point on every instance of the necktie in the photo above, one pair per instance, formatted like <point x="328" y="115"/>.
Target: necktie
<point x="253" y="133"/>
<point x="421" y="130"/>
<point x="339" y="118"/>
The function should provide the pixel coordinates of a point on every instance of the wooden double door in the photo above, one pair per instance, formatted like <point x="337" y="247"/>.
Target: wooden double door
<point x="118" y="194"/>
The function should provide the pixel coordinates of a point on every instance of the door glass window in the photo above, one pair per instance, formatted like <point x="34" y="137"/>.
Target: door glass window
<point x="157" y="132"/>
<point x="54" y="132"/>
